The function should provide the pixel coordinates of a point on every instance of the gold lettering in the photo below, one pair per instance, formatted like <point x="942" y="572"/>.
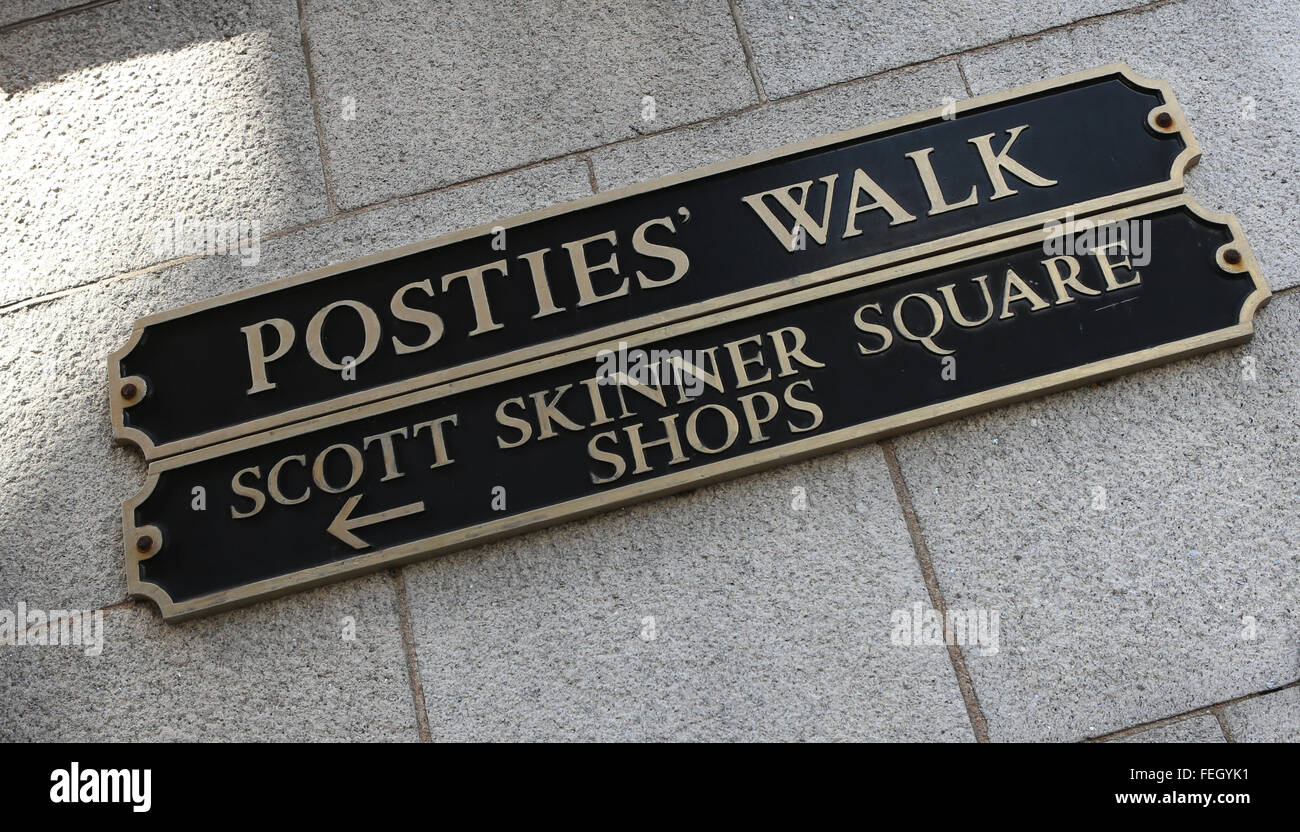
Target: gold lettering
<point x="884" y="333"/>
<point x="386" y="448"/>
<point x="582" y="270"/>
<point x="258" y="498"/>
<point x="273" y="482"/>
<point x="1059" y="283"/>
<point x="1108" y="268"/>
<point x="938" y="203"/>
<point x="671" y="439"/>
<point x="798" y="210"/>
<point x="257" y="357"/>
<point x="681" y="263"/>
<point x="369" y="324"/>
<point x="593" y="386"/>
<point x="864" y="183"/>
<point x="785" y="352"/>
<point x="440" y="457"/>
<point x="995" y="163"/>
<point x="524" y="427"/>
<point x="541" y="285"/>
<point x="1023" y="292"/>
<point x="710" y="377"/>
<point x="950" y="299"/>
<point x="354" y="460"/>
<point x="752" y="419"/>
<point x="612" y="459"/>
<point x="548" y="412"/>
<point x="925" y="340"/>
<point x="478" y="293"/>
<point x="693" y="434"/>
<point x="430" y="320"/>
<point x="738" y="362"/>
<point x="806" y="407"/>
<point x="653" y="392"/>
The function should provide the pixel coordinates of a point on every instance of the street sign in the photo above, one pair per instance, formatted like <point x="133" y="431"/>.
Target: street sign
<point x="645" y="256"/>
<point x="593" y="428"/>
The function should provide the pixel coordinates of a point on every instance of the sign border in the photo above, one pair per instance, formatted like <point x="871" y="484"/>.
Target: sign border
<point x="124" y="434"/>
<point x="695" y="477"/>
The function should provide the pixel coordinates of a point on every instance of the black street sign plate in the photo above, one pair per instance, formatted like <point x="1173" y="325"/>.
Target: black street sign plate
<point x="645" y="256"/>
<point x="795" y="375"/>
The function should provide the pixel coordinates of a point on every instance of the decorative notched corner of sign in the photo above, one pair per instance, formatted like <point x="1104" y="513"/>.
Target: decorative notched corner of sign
<point x="137" y="588"/>
<point x="1236" y="258"/>
<point x="140" y="544"/>
<point x="127" y="391"/>
<point x="1168" y="119"/>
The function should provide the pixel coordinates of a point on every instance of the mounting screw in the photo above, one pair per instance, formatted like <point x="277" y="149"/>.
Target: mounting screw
<point x="143" y="543"/>
<point x="1232" y="257"/>
<point x="129" y="391"/>
<point x="1164" y="121"/>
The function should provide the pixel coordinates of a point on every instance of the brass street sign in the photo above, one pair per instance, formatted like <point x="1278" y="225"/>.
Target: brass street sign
<point x="593" y="428"/>
<point x="645" y="256"/>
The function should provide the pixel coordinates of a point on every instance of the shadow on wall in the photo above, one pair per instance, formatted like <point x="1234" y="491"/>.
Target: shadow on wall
<point x="114" y="121"/>
<point x="32" y="54"/>
<point x="117" y="120"/>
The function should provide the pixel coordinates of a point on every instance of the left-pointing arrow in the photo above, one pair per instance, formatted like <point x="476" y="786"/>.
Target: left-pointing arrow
<point x="343" y="523"/>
